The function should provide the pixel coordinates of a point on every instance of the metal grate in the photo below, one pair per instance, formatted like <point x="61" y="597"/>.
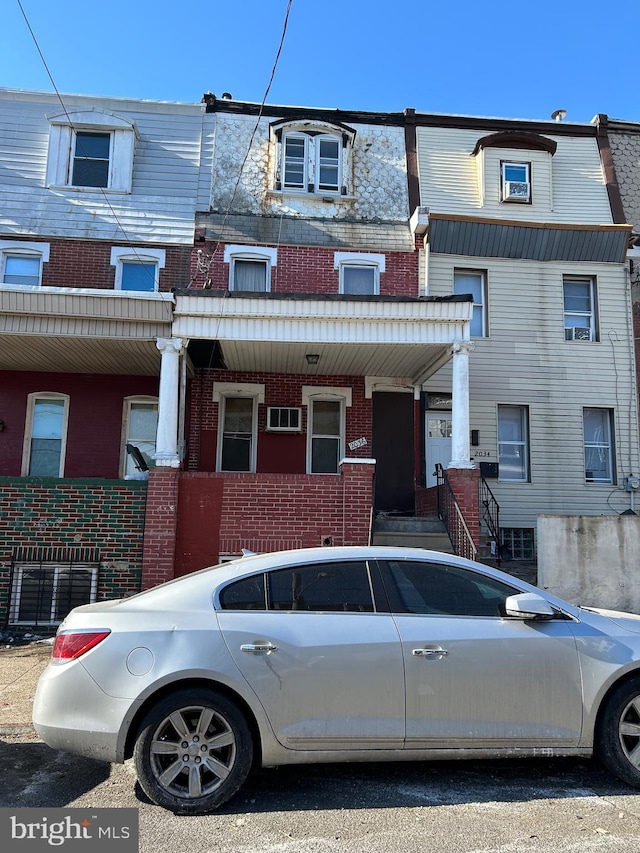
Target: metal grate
<point x="42" y="592"/>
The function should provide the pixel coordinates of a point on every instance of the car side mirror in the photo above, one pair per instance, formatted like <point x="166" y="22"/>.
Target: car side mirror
<point x="528" y="605"/>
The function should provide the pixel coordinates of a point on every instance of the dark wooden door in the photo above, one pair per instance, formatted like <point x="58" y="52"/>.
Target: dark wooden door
<point x="393" y="450"/>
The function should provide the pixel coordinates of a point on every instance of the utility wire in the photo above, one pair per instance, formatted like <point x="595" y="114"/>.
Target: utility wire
<point x="79" y="142"/>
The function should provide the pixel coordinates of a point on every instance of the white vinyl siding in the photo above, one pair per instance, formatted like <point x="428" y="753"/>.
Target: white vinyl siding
<point x="566" y="188"/>
<point x="527" y="362"/>
<point x="160" y="206"/>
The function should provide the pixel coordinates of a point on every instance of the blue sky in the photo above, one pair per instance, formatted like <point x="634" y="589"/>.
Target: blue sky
<point x="492" y="58"/>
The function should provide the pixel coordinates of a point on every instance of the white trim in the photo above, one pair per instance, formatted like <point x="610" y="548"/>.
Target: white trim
<point x="229" y="390"/>
<point x="259" y="254"/>
<point x="62" y="147"/>
<point x="359" y="259"/>
<point x="124" y="433"/>
<point x="101" y="293"/>
<point x="18" y="248"/>
<point x="238" y="389"/>
<point x="326" y="392"/>
<point x="136" y="255"/>
<point x="390" y="384"/>
<point x="353" y="461"/>
<point x="28" y="430"/>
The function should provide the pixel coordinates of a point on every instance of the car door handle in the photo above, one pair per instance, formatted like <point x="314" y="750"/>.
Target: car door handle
<point x="429" y="653"/>
<point x="258" y="647"/>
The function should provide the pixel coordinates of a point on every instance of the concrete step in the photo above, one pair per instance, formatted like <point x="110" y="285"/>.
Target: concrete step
<point x="407" y="539"/>
<point x="410" y="524"/>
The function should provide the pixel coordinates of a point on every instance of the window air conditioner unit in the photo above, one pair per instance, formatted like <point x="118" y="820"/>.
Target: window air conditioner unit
<point x="578" y="333"/>
<point x="283" y="419"/>
<point x="516" y="191"/>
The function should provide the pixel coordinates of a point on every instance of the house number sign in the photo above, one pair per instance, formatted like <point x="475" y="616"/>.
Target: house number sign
<point x="359" y="442"/>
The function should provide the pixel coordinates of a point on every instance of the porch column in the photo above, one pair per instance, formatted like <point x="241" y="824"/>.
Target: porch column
<point x="460" y="447"/>
<point x="167" y="435"/>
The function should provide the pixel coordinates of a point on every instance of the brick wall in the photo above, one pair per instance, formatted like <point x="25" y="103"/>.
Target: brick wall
<point x="107" y="516"/>
<point x="464" y="483"/>
<point x="94" y="432"/>
<point x="277" y="452"/>
<point x="309" y="269"/>
<point x="87" y="263"/>
<point x="262" y="512"/>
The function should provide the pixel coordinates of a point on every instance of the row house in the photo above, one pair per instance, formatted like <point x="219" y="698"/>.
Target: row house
<point x="96" y="229"/>
<point x="625" y="151"/>
<point x="309" y="341"/>
<point x="527" y="217"/>
<point x="229" y="326"/>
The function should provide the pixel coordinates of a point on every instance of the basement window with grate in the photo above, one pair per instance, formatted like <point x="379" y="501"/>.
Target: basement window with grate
<point x="43" y="593"/>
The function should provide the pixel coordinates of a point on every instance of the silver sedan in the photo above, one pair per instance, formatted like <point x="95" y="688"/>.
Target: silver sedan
<point x="338" y="654"/>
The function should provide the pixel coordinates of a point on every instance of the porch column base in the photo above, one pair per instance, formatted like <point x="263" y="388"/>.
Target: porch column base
<point x="161" y="519"/>
<point x="464" y="482"/>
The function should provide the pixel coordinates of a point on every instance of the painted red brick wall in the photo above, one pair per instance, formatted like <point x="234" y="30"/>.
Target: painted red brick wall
<point x="464" y="483"/>
<point x="95" y="418"/>
<point x="310" y="269"/>
<point x="262" y="512"/>
<point x="86" y="263"/>
<point x="160" y="527"/>
<point x="277" y="452"/>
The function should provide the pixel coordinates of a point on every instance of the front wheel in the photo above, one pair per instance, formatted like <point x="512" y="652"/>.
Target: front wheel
<point x="618" y="737"/>
<point x="193" y="752"/>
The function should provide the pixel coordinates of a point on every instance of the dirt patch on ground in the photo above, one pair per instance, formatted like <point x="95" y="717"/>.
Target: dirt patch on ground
<point x="20" y="669"/>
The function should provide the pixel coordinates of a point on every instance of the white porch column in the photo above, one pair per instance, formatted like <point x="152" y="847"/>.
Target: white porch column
<point x="460" y="448"/>
<point x="167" y="435"/>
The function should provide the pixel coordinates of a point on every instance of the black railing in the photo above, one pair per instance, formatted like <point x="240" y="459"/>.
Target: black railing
<point x="450" y="514"/>
<point x="490" y="516"/>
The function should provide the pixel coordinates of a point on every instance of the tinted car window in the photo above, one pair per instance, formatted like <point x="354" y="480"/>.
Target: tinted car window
<point x="246" y="594"/>
<point x="322" y="586"/>
<point x="438" y="589"/>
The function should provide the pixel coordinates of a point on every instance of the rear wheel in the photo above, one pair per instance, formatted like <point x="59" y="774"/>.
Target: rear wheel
<point x="618" y="740"/>
<point x="193" y="752"/>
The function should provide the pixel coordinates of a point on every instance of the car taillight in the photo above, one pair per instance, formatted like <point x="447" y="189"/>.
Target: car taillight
<point x="73" y="644"/>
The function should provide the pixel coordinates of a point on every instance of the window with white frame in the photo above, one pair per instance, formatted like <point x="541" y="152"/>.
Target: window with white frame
<point x="43" y="593"/>
<point x="513" y="444"/>
<point x="516" y="182"/>
<point x="359" y="272"/>
<point x="91" y="149"/>
<point x="313" y="157"/>
<point x="137" y="268"/>
<point x="250" y="267"/>
<point x="45" y="435"/>
<point x="139" y="427"/>
<point x="326" y="420"/>
<point x="237" y="424"/>
<point x="579" y="296"/>
<point x="21" y="262"/>
<point x="598" y="445"/>
<point x="473" y="282"/>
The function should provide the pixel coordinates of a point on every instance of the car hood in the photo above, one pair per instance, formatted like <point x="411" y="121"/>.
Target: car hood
<point x="626" y="621"/>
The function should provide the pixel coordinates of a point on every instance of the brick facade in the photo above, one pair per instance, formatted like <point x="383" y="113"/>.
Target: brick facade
<point x="87" y="263"/>
<point x="266" y="512"/>
<point x="307" y="269"/>
<point x="39" y="514"/>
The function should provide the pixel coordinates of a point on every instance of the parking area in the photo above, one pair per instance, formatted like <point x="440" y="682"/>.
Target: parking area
<point x="557" y="806"/>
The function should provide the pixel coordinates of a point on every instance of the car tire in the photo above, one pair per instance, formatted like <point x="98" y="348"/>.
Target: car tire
<point x="618" y="736"/>
<point x="193" y="751"/>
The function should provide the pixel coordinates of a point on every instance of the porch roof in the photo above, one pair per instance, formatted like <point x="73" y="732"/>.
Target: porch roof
<point x="82" y="330"/>
<point x="353" y="336"/>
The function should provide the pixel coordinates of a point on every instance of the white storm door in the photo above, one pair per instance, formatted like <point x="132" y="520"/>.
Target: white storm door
<point x="438" y="443"/>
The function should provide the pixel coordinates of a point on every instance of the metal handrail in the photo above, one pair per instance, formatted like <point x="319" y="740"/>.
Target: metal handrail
<point x="450" y="514"/>
<point x="490" y="514"/>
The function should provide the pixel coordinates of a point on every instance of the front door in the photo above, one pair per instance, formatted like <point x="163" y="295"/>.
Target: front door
<point x="393" y="450"/>
<point x="438" y="443"/>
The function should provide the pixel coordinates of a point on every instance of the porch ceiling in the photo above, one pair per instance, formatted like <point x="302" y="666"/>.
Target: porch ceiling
<point x="79" y="355"/>
<point x="385" y="337"/>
